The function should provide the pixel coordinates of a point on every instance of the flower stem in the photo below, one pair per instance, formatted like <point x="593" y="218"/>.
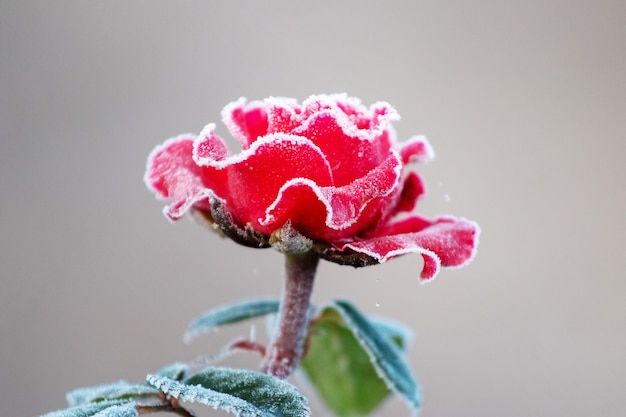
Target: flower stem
<point x="285" y="350"/>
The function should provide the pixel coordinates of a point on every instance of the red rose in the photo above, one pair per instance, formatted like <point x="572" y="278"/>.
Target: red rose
<point x="326" y="175"/>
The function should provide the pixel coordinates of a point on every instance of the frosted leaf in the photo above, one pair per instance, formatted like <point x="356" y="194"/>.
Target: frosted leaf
<point x="176" y="371"/>
<point x="125" y="410"/>
<point x="240" y="392"/>
<point x="340" y="369"/>
<point x="88" y="410"/>
<point x="230" y="313"/>
<point x="117" y="391"/>
<point x="401" y="335"/>
<point x="386" y="358"/>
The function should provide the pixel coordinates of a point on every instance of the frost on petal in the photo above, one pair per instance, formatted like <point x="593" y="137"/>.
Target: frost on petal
<point x="417" y="149"/>
<point x="446" y="242"/>
<point x="348" y="202"/>
<point x="410" y="224"/>
<point x="349" y="154"/>
<point x="208" y="146"/>
<point x="364" y="122"/>
<point x="245" y="122"/>
<point x="412" y="190"/>
<point x="375" y="119"/>
<point x="256" y="176"/>
<point x="172" y="174"/>
<point x="330" y="169"/>
<point x="283" y="114"/>
<point x="300" y="202"/>
<point x="321" y="212"/>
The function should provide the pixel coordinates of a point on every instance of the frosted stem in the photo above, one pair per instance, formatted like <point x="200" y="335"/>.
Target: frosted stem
<point x="284" y="352"/>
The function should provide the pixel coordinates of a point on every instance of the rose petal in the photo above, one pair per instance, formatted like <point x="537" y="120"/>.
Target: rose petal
<point x="410" y="224"/>
<point x="365" y="123"/>
<point x="412" y="190"/>
<point x="349" y="154"/>
<point x="320" y="211"/>
<point x="283" y="114"/>
<point x="446" y="242"/>
<point x="255" y="176"/>
<point x="300" y="202"/>
<point x="349" y="201"/>
<point x="246" y="122"/>
<point x="172" y="174"/>
<point x="417" y="149"/>
<point x="209" y="147"/>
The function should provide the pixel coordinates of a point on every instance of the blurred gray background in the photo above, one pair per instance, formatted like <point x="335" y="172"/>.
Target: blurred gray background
<point x="524" y="103"/>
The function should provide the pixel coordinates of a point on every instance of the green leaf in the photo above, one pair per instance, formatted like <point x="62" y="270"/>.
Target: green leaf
<point x="117" y="391"/>
<point x="237" y="391"/>
<point x="230" y="313"/>
<point x="101" y="409"/>
<point x="354" y="364"/>
<point x="340" y="369"/>
<point x="399" y="334"/>
<point x="385" y="357"/>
